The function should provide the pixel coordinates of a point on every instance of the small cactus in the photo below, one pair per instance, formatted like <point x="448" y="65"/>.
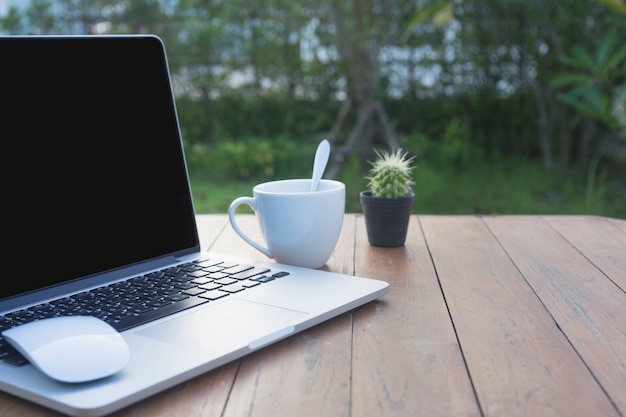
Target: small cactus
<point x="391" y="174"/>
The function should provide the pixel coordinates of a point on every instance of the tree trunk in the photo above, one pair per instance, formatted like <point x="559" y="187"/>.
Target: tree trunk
<point x="372" y="123"/>
<point x="356" y="23"/>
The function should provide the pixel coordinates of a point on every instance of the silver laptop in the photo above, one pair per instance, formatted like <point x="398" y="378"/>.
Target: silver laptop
<point x="96" y="193"/>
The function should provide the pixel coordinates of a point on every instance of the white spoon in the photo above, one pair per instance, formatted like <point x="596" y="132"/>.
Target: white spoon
<point x="319" y="164"/>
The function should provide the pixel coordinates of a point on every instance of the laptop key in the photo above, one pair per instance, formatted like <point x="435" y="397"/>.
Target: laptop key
<point x="194" y="291"/>
<point x="248" y="273"/>
<point x="200" y="281"/>
<point x="214" y="268"/>
<point x="217" y="275"/>
<point x="225" y="281"/>
<point x="263" y="278"/>
<point x="210" y="286"/>
<point x="208" y="262"/>
<point x="233" y="288"/>
<point x="214" y="294"/>
<point x="177" y="297"/>
<point x="237" y="269"/>
<point x="157" y="313"/>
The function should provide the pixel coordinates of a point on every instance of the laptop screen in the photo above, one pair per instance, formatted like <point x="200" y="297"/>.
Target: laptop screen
<point x="94" y="177"/>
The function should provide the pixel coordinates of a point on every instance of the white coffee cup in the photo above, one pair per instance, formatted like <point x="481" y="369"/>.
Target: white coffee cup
<point x="300" y="227"/>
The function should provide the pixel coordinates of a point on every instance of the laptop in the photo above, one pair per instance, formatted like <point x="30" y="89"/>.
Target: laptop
<point x="97" y="198"/>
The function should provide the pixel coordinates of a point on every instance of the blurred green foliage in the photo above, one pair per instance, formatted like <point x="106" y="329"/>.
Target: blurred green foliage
<point x="528" y="96"/>
<point x="500" y="186"/>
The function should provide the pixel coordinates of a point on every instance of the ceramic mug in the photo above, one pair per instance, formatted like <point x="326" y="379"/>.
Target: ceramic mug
<point x="300" y="227"/>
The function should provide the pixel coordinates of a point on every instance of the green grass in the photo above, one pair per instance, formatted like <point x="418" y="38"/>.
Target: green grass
<point x="505" y="187"/>
<point x="215" y="197"/>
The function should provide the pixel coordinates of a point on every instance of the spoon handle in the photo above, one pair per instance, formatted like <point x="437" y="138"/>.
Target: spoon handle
<point x="319" y="164"/>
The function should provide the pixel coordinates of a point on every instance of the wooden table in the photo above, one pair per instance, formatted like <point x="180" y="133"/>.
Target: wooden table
<point x="494" y="316"/>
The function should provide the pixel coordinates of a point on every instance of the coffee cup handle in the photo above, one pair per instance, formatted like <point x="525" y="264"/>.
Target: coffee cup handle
<point x="250" y="201"/>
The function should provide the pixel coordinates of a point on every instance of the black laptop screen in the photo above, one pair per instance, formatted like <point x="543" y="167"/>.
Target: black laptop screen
<point x="93" y="169"/>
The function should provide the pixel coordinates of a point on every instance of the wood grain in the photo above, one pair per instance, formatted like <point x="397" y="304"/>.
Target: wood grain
<point x="11" y="406"/>
<point x="231" y="243"/>
<point x="342" y="258"/>
<point x="209" y="228"/>
<point x="309" y="371"/>
<point x="619" y="223"/>
<point x="202" y="396"/>
<point x="407" y="361"/>
<point x="598" y="239"/>
<point x="586" y="306"/>
<point x="519" y="360"/>
<point x="486" y="316"/>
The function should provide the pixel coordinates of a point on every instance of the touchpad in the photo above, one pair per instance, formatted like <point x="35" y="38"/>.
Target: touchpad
<point x="232" y="324"/>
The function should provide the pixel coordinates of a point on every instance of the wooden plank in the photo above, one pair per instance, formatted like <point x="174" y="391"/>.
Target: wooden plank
<point x="589" y="308"/>
<point x="342" y="258"/>
<point x="229" y="242"/>
<point x="518" y="359"/>
<point x="406" y="358"/>
<point x="205" y="395"/>
<point x="620" y="223"/>
<point x="308" y="373"/>
<point x="11" y="406"/>
<point x="599" y="240"/>
<point x="209" y="228"/>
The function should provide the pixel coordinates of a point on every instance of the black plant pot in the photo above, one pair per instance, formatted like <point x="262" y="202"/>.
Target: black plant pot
<point x="386" y="219"/>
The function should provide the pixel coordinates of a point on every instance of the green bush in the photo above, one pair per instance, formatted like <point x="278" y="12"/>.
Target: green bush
<point x="238" y="117"/>
<point x="454" y="148"/>
<point x="474" y="120"/>
<point x="256" y="159"/>
<point x="490" y="186"/>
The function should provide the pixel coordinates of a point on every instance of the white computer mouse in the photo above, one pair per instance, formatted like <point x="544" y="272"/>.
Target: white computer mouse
<point x="71" y="349"/>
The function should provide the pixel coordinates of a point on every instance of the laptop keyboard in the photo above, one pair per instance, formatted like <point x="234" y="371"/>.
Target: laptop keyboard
<point x="141" y="299"/>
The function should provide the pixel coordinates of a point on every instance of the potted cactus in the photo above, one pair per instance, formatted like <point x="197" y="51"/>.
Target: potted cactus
<point x="388" y="200"/>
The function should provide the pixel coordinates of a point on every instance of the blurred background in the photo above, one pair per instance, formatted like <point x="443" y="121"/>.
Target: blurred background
<point x="510" y="106"/>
